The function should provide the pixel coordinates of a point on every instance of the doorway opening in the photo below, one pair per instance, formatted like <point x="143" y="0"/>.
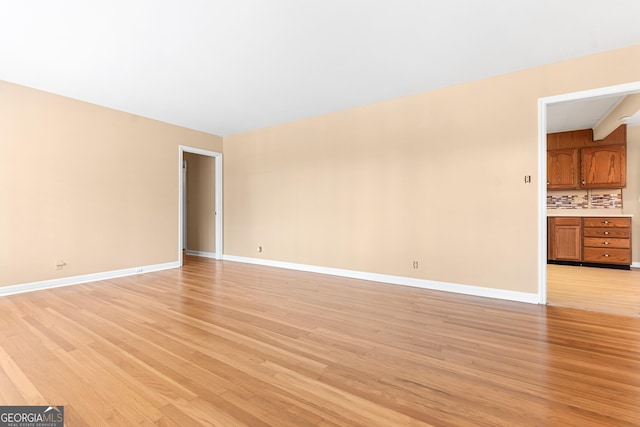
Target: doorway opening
<point x="208" y="183"/>
<point x="547" y="106"/>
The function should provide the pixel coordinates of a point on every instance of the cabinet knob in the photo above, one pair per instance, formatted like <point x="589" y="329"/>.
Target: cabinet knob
<point x="606" y="243"/>
<point x="606" y="255"/>
<point x="606" y="232"/>
<point x="605" y="222"/>
<point x="583" y="182"/>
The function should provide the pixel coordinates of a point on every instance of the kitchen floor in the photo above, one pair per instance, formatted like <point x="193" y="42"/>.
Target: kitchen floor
<point x="594" y="289"/>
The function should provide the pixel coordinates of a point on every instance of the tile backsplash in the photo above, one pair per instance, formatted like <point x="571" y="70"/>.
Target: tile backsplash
<point x="609" y="200"/>
<point x="567" y="201"/>
<point x="584" y="199"/>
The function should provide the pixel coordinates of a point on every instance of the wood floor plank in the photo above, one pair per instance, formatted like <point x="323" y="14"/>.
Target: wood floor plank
<point x="596" y="289"/>
<point x="21" y="383"/>
<point x="230" y="344"/>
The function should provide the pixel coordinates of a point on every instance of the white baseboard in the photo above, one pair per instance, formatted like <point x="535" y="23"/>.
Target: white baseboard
<point x="85" y="278"/>
<point x="635" y="265"/>
<point x="374" y="277"/>
<point x="200" y="253"/>
<point x="397" y="280"/>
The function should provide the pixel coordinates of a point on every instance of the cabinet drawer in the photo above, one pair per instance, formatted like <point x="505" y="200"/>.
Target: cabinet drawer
<point x="598" y="242"/>
<point x="607" y="255"/>
<point x="622" y="233"/>
<point x="606" y="222"/>
<point x="566" y="220"/>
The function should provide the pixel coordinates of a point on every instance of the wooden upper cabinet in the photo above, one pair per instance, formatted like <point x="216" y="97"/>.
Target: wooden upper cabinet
<point x="570" y="139"/>
<point x="604" y="166"/>
<point x="563" y="169"/>
<point x="575" y="160"/>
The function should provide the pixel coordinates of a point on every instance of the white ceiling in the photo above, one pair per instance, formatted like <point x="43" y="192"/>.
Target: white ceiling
<point x="580" y="114"/>
<point x="227" y="66"/>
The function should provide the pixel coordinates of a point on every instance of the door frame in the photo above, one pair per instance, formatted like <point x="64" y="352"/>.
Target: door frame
<point x="623" y="89"/>
<point x="182" y="197"/>
<point x="185" y="213"/>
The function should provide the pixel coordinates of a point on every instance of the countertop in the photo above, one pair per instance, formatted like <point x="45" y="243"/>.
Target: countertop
<point x="586" y="213"/>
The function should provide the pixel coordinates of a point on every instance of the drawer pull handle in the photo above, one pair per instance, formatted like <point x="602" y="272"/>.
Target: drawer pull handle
<point x="606" y="255"/>
<point x="606" y="232"/>
<point x="605" y="222"/>
<point x="605" y="243"/>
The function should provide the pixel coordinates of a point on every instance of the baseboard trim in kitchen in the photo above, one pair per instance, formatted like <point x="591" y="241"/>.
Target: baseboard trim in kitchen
<point x="396" y="280"/>
<point x="85" y="278"/>
<point x="201" y="254"/>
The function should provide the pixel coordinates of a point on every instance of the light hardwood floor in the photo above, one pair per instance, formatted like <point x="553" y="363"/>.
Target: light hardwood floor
<point x="223" y="343"/>
<point x="596" y="289"/>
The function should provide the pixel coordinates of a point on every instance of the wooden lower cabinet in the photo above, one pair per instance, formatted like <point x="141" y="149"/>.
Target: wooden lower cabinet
<point x="565" y="239"/>
<point x="599" y="240"/>
<point x="607" y="240"/>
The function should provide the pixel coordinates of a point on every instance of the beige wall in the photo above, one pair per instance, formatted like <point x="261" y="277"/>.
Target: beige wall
<point x="94" y="187"/>
<point x="201" y="203"/>
<point x="631" y="194"/>
<point x="436" y="178"/>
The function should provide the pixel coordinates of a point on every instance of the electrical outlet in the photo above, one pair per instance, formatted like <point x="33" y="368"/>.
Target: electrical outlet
<point x="60" y="265"/>
<point x="415" y="265"/>
<point x="259" y="249"/>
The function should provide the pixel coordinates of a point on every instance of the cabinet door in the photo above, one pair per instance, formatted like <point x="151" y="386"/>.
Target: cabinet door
<point x="565" y="239"/>
<point x="562" y="169"/>
<point x="604" y="167"/>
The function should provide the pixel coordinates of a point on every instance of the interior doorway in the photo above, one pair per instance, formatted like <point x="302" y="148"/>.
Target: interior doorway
<point x="205" y="169"/>
<point x="545" y="105"/>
